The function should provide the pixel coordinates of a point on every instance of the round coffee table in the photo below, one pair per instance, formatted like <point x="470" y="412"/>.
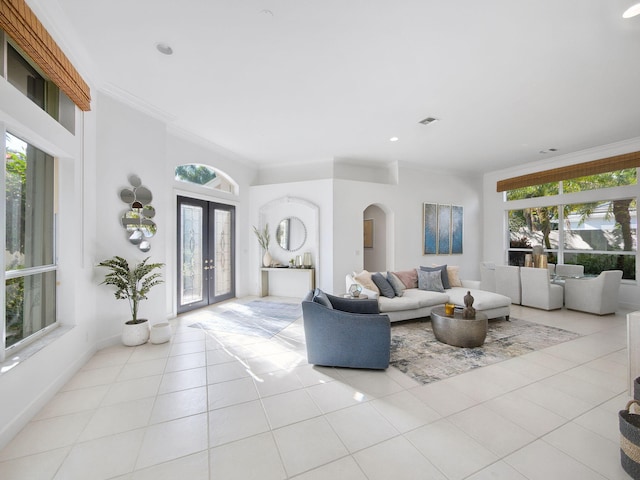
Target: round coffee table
<point x="457" y="331"/>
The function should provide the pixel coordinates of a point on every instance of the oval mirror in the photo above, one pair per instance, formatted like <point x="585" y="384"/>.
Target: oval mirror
<point x="148" y="211"/>
<point x="134" y="180"/>
<point x="127" y="196"/>
<point x="291" y="234"/>
<point x="136" y="237"/>
<point x="143" y="195"/>
<point x="148" y="227"/>
<point x="131" y="221"/>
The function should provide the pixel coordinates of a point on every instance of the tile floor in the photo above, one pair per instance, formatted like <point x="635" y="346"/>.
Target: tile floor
<point x="210" y="406"/>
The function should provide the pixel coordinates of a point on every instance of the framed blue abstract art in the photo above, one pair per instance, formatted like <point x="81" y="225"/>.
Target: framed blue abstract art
<point x="443" y="229"/>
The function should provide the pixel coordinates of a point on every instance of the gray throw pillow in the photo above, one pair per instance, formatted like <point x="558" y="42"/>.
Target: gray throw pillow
<point x="321" y="298"/>
<point x="430" y="281"/>
<point x="444" y="276"/>
<point x="396" y="283"/>
<point x="383" y="285"/>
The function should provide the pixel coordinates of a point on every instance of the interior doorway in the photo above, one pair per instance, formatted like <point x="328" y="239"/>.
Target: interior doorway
<point x="374" y="239"/>
<point x="206" y="253"/>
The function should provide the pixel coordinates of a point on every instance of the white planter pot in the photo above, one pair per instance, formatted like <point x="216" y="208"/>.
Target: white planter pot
<point x="136" y="333"/>
<point x="160" y="333"/>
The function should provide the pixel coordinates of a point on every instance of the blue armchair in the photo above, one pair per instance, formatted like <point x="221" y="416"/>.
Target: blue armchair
<point x="343" y="332"/>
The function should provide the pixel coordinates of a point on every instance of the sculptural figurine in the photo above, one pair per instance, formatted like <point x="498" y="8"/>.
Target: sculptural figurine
<point x="468" y="311"/>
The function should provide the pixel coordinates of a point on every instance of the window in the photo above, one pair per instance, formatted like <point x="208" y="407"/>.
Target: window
<point x="534" y="191"/>
<point x="23" y="74"/>
<point x="205" y="176"/>
<point x="599" y="233"/>
<point x="532" y="226"/>
<point x="30" y="269"/>
<point x="617" y="178"/>
<point x="594" y="230"/>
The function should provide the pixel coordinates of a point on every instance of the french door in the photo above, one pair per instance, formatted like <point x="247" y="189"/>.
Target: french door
<point x="206" y="253"/>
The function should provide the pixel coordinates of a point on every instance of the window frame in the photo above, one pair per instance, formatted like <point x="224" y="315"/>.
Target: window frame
<point x="56" y="102"/>
<point x="584" y="196"/>
<point x="28" y="271"/>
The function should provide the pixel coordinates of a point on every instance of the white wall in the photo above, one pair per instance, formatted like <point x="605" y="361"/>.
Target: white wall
<point x="112" y="141"/>
<point x="342" y="203"/>
<point x="494" y="236"/>
<point x="403" y="206"/>
<point x="128" y="142"/>
<point x="182" y="149"/>
<point x="131" y="142"/>
<point x="319" y="239"/>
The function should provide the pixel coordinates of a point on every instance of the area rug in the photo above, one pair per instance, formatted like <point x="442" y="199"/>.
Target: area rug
<point x="257" y="318"/>
<point x="416" y="352"/>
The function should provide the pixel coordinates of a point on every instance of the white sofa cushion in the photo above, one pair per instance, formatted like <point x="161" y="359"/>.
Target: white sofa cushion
<point x="412" y="299"/>
<point x="481" y="300"/>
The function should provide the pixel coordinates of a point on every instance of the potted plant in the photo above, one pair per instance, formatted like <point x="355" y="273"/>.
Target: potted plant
<point x="263" y="239"/>
<point x="132" y="284"/>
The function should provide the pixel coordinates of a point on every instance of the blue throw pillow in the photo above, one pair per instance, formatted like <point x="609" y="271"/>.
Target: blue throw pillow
<point x="444" y="276"/>
<point x="430" y="281"/>
<point x="383" y="285"/>
<point x="320" y="297"/>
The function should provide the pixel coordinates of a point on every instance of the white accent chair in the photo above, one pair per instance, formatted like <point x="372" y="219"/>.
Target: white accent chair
<point x="563" y="270"/>
<point x="488" y="276"/>
<point x="538" y="291"/>
<point x="597" y="295"/>
<point x="508" y="282"/>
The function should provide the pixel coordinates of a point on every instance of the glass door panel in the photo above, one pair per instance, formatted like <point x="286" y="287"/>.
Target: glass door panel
<point x="206" y="254"/>
<point x="190" y="256"/>
<point x="223" y="252"/>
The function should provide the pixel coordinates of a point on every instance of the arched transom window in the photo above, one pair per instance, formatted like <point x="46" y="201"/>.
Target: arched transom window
<point x="206" y="176"/>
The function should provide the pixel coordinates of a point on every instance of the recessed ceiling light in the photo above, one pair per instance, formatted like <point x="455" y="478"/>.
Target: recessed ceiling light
<point x="428" y="120"/>
<point x="632" y="11"/>
<point x="164" y="49"/>
<point x="394" y="139"/>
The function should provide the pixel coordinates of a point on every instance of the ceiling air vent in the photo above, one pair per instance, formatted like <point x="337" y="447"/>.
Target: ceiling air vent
<point x="428" y="120"/>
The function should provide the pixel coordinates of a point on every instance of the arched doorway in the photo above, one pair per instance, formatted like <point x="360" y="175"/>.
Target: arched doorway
<point x="375" y="239"/>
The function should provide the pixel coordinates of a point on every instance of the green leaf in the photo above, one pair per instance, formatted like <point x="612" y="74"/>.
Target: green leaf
<point x="131" y="283"/>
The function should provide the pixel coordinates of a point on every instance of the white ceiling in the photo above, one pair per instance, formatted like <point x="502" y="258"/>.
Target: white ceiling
<point x="292" y="81"/>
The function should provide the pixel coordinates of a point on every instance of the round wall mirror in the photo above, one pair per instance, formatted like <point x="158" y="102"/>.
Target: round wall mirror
<point x="291" y="234"/>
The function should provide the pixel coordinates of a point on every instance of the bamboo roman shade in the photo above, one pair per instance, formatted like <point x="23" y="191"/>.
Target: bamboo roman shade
<point x="610" y="164"/>
<point x="21" y="24"/>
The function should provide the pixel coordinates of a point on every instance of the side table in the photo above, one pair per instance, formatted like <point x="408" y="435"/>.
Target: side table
<point x="361" y="297"/>
<point x="458" y="331"/>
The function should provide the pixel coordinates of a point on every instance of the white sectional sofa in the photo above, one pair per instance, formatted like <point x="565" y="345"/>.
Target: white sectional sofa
<point x="416" y="303"/>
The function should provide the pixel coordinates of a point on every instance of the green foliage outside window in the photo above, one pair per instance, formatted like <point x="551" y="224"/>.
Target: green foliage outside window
<point x="539" y="222"/>
<point x="534" y="191"/>
<point x="198" y="174"/>
<point x="15" y="192"/>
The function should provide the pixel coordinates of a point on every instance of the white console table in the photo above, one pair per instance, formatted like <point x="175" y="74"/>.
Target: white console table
<point x="287" y="282"/>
